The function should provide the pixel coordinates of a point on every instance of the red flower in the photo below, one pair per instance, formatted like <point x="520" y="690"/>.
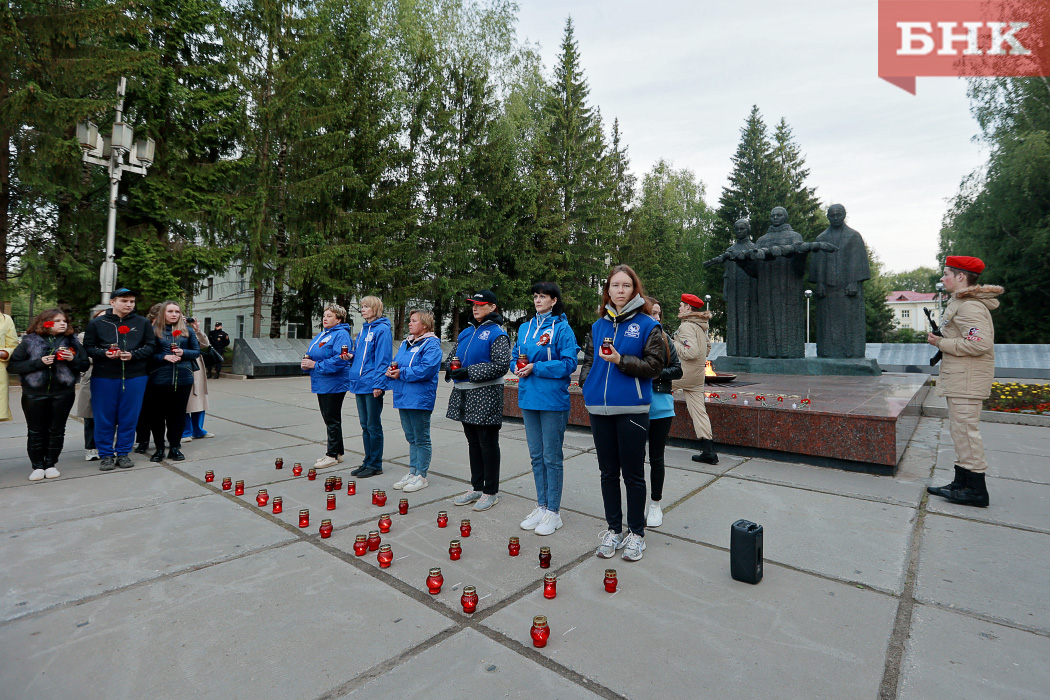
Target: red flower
<point x="805" y="402"/>
<point x="780" y="399"/>
<point x="49" y="324"/>
<point x="176" y="332"/>
<point x="733" y="396"/>
<point x="760" y="398"/>
<point x="123" y="330"/>
<point x="714" y="396"/>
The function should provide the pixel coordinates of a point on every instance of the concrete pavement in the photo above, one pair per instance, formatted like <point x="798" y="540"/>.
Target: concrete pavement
<point x="149" y="583"/>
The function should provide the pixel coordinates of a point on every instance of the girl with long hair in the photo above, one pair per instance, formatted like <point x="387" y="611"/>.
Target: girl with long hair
<point x="171" y="379"/>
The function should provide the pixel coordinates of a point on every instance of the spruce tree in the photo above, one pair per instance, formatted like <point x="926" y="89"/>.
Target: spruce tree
<point x="791" y="191"/>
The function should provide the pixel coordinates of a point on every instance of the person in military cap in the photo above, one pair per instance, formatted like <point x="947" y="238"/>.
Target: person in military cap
<point x="967" y="342"/>
<point x="693" y="345"/>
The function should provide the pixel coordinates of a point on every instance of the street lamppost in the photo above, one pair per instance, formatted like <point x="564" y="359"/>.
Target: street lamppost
<point x="114" y="153"/>
<point x="809" y="295"/>
<point x="940" y="302"/>
<point x="707" y="300"/>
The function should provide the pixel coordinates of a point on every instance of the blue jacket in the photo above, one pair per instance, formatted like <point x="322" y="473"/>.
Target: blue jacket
<point x="331" y="374"/>
<point x="474" y="345"/>
<point x="550" y="346"/>
<point x="418" y="362"/>
<point x="608" y="389"/>
<point x="178" y="373"/>
<point x="372" y="353"/>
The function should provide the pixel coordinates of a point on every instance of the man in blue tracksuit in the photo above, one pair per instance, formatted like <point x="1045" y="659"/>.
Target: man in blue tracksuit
<point x="372" y="355"/>
<point x="330" y="378"/>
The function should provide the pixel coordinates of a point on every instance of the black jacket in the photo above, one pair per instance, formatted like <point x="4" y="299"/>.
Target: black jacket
<point x="140" y="341"/>
<point x="219" y="339"/>
<point x="38" y="379"/>
<point x="671" y="371"/>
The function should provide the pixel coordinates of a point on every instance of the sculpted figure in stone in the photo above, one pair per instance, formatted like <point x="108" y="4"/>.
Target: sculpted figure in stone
<point x="740" y="292"/>
<point x="780" y="269"/>
<point x="839" y="278"/>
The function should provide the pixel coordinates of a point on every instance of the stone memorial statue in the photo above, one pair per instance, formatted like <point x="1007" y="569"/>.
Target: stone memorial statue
<point x="839" y="278"/>
<point x="740" y="292"/>
<point x="780" y="269"/>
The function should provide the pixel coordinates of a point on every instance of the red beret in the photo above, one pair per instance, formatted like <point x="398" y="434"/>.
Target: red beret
<point x="965" y="262"/>
<point x="693" y="300"/>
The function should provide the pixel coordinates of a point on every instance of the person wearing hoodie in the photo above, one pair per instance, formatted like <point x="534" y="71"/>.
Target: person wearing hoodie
<point x="171" y="379"/>
<point x="50" y="360"/>
<point x="967" y="342"/>
<point x="8" y="342"/>
<point x="693" y="345"/>
<point x="626" y="347"/>
<point x="119" y="343"/>
<point x="483" y="350"/>
<point x="329" y="370"/>
<point x="413" y="378"/>
<point x="371" y="358"/>
<point x="547" y="357"/>
<point x="661" y="413"/>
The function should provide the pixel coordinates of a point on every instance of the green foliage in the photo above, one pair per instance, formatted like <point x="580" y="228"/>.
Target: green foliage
<point x="878" y="316"/>
<point x="921" y="279"/>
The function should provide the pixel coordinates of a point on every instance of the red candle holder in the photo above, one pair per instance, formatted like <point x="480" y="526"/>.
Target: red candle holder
<point x="297" y="469"/>
<point x="402" y="506"/>
<point x="351" y="488"/>
<point x="385" y="556"/>
<point x="393" y="365"/>
<point x="454" y="550"/>
<point x="381" y="499"/>
<point x="262" y="498"/>
<point x="545" y="557"/>
<point x="540" y="632"/>
<point x="304" y="517"/>
<point x="278" y="505"/>
<point x="375" y="495"/>
<point x="464" y="528"/>
<point x="514" y="547"/>
<point x="238" y="488"/>
<point x="209" y="476"/>
<point x="610" y="580"/>
<point x="454" y="363"/>
<point x="384" y="523"/>
<point x="360" y="545"/>
<point x="329" y="484"/>
<point x="522" y="362"/>
<point x="312" y="474"/>
<point x="469" y="599"/>
<point x="607" y="346"/>
<point x="373" y="540"/>
<point x="326" y="529"/>
<point x="337" y="481"/>
<point x="330" y="504"/>
<point x="435" y="581"/>
<point x="278" y="463"/>
<point x="227" y="483"/>
<point x="550" y="585"/>
<point x="442" y="519"/>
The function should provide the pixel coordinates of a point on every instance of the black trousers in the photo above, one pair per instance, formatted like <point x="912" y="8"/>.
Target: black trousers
<point x="332" y="414"/>
<point x="46" y="427"/>
<point x="483" y="449"/>
<point x="146" y="416"/>
<point x="168" y="411"/>
<point x="619" y="442"/>
<point x="659" y="429"/>
<point x="89" y="433"/>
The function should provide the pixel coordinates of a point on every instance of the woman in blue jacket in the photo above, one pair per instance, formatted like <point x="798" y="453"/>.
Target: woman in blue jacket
<point x="550" y="351"/>
<point x="617" y="390"/>
<point x="414" y="382"/>
<point x="368" y="379"/>
<point x="171" y="379"/>
<point x="330" y="378"/>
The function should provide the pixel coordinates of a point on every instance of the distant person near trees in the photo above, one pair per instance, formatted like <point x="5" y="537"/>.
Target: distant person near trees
<point x="220" y="340"/>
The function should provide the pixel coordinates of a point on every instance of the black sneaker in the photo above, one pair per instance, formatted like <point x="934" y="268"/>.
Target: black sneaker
<point x="367" y="472"/>
<point x="357" y="472"/>
<point x="143" y="448"/>
<point x="124" y="462"/>
<point x="107" y="464"/>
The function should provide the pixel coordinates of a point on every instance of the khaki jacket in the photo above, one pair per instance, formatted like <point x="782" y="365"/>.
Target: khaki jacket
<point x="8" y="342"/>
<point x="968" y="365"/>
<point x="693" y="345"/>
<point x="199" y="394"/>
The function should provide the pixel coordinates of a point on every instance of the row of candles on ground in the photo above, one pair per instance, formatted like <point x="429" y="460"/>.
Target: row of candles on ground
<point x="760" y="400"/>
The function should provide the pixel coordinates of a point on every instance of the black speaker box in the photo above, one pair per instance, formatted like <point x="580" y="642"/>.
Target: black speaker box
<point x="745" y="551"/>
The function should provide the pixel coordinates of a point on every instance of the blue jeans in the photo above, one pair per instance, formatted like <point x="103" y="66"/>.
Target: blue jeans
<point x="369" y="410"/>
<point x="416" y="424"/>
<point x="115" y="404"/>
<point x="194" y="425"/>
<point x="545" y="434"/>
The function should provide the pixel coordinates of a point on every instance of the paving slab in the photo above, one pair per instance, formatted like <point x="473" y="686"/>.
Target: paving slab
<point x="15" y="472"/>
<point x="880" y="488"/>
<point x="682" y="458"/>
<point x="71" y="560"/>
<point x="693" y="632"/>
<point x="1015" y="503"/>
<point x="951" y="656"/>
<point x="453" y="461"/>
<point x="988" y="570"/>
<point x="477" y="668"/>
<point x="1008" y="465"/>
<point x="846" y="538"/>
<point x="418" y="544"/>
<point x="267" y="414"/>
<point x="51" y="501"/>
<point x="287" y="623"/>
<point x="1019" y="439"/>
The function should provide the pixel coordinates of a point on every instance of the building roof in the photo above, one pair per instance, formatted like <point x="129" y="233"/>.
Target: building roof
<point x="910" y="296"/>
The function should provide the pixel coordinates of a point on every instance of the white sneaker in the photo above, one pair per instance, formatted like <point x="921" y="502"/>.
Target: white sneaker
<point x="325" y="461"/>
<point x="633" y="546"/>
<point x="533" y="519"/>
<point x="418" y="483"/>
<point x="37" y="475"/>
<point x="52" y="473"/>
<point x="186" y="439"/>
<point x="655" y="518"/>
<point x="551" y="522"/>
<point x="91" y="456"/>
<point x="608" y="543"/>
<point x="403" y="481"/>
<point x="208" y="435"/>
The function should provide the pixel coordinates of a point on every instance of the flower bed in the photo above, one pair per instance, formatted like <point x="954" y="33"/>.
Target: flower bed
<point x="1032" y="399"/>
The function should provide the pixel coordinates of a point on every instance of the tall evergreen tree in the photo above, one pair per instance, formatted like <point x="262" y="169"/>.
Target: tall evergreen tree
<point x="751" y="192"/>
<point x="791" y="191"/>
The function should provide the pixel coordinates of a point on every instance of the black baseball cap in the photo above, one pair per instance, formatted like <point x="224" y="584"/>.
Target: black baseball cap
<point x="122" y="292"/>
<point x="484" y="296"/>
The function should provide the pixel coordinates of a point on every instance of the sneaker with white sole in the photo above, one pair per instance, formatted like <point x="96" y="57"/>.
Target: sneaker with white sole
<point x="186" y="439"/>
<point x="326" y="461"/>
<point x="37" y="475"/>
<point x="400" y="483"/>
<point x="633" y="546"/>
<point x="91" y="456"/>
<point x="418" y="483"/>
<point x="551" y="522"/>
<point x="467" y="498"/>
<point x="655" y="518"/>
<point x="533" y="519"/>
<point x="52" y="473"/>
<point x="209" y="435"/>
<point x="608" y="543"/>
<point x="486" y="501"/>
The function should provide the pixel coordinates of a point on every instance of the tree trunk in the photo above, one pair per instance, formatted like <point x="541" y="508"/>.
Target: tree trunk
<point x="257" y="304"/>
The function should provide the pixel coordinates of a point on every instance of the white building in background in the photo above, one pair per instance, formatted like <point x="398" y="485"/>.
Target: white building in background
<point x="908" y="308"/>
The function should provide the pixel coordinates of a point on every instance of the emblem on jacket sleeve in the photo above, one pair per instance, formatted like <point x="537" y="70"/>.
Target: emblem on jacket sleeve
<point x="973" y="334"/>
<point x="483" y="335"/>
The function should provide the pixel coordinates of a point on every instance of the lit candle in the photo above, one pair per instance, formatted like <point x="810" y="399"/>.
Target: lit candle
<point x="360" y="545"/>
<point x="434" y="581"/>
<point x="374" y="540"/>
<point x="329" y="484"/>
<point x="442" y="519"/>
<point x="351" y="488"/>
<point x="326" y="529"/>
<point x="375" y="495"/>
<point x="464" y="528"/>
<point x="227" y="483"/>
<point x="454" y="550"/>
<point x="278" y="505"/>
<point x="262" y="498"/>
<point x="514" y="547"/>
<point x="540" y="631"/>
<point x="469" y="599"/>
<point x="381" y="498"/>
<point x="209" y="476"/>
<point x="384" y="523"/>
<point x="238" y="487"/>
<point x="337" y="482"/>
<point x="385" y="556"/>
<point x="304" y="518"/>
<point x="297" y="469"/>
<point x="550" y="585"/>
<point x="312" y="474"/>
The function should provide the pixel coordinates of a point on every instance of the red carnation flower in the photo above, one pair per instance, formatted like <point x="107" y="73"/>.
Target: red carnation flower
<point x="176" y="333"/>
<point x="49" y="324"/>
<point x="124" y="330"/>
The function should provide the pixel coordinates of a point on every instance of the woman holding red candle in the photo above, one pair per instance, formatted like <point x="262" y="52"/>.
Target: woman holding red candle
<point x="624" y="352"/>
<point x="330" y="378"/>
<point x="50" y="360"/>
<point x="171" y="379"/>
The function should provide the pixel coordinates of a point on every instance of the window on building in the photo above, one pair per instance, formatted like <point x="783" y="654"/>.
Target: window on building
<point x="243" y="284"/>
<point x="240" y="326"/>
<point x="211" y="288"/>
<point x="293" y="330"/>
<point x="207" y="323"/>
<point x="905" y="313"/>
